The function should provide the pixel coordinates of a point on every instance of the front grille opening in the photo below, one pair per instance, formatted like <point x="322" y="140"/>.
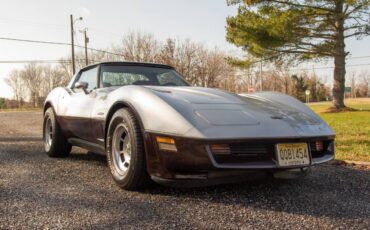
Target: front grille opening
<point x="220" y="149"/>
<point x="249" y="149"/>
<point x="247" y="152"/>
<point x="262" y="152"/>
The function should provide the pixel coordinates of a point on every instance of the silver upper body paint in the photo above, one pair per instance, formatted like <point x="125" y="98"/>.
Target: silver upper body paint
<point x="207" y="113"/>
<point x="215" y="114"/>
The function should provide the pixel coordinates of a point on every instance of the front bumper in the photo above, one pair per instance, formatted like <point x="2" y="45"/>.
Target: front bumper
<point x="194" y="161"/>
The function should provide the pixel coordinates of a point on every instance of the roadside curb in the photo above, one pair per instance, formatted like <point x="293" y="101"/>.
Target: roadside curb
<point x="348" y="162"/>
<point x="20" y="138"/>
<point x="363" y="163"/>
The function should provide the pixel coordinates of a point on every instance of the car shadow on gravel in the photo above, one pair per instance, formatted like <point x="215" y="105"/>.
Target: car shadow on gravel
<point x="329" y="190"/>
<point x="89" y="156"/>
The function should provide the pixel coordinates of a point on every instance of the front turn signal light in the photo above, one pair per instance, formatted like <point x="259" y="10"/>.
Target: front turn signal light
<point x="166" y="143"/>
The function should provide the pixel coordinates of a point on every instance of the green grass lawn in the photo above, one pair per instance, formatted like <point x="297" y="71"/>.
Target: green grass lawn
<point x="352" y="128"/>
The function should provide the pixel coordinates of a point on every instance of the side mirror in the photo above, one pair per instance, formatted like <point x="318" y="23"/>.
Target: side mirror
<point x="81" y="85"/>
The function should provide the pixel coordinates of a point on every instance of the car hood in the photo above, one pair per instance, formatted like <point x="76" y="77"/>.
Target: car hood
<point x="218" y="114"/>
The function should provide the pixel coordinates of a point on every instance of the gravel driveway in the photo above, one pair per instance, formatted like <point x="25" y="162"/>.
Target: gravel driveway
<point x="78" y="192"/>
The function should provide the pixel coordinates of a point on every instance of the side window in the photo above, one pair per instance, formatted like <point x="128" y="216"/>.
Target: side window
<point x="90" y="76"/>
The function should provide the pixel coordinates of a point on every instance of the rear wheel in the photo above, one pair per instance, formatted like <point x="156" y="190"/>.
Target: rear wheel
<point x="125" y="151"/>
<point x="56" y="145"/>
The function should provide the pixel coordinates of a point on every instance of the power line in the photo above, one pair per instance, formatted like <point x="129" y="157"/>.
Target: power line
<point x="28" y="22"/>
<point x="58" y="43"/>
<point x="105" y="32"/>
<point x="34" y="41"/>
<point x="358" y="57"/>
<point x="331" y="67"/>
<point x="39" y="61"/>
<point x="268" y="58"/>
<point x="102" y="51"/>
<point x="61" y="26"/>
<point x="117" y="54"/>
<point x="322" y="67"/>
<point x="33" y="61"/>
<point x="81" y="60"/>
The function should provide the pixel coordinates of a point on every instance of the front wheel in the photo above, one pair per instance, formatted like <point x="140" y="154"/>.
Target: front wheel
<point x="125" y="151"/>
<point x="56" y="145"/>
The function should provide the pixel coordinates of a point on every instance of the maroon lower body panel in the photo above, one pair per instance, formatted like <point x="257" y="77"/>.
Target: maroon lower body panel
<point x="195" y="162"/>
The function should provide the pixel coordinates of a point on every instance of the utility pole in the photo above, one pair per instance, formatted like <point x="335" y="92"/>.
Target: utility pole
<point x="73" y="42"/>
<point x="86" y="41"/>
<point x="73" y="46"/>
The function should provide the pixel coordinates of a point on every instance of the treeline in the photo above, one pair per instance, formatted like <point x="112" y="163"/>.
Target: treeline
<point x="296" y="85"/>
<point x="200" y="65"/>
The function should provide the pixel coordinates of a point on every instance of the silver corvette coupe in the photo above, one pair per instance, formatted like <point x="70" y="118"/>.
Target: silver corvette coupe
<point x="152" y="125"/>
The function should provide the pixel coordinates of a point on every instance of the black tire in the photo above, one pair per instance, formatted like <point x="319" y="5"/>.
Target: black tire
<point x="55" y="145"/>
<point x="135" y="175"/>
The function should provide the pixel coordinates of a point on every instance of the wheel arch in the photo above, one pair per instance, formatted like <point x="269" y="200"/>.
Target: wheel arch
<point x="47" y="105"/>
<point x="120" y="105"/>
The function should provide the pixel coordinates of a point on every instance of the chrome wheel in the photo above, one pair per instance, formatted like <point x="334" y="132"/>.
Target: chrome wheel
<point x="48" y="134"/>
<point x="121" y="149"/>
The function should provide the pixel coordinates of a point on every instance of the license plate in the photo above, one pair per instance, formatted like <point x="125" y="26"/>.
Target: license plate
<point x="293" y="154"/>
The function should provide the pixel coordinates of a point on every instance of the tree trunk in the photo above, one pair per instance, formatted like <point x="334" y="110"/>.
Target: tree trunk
<point x="339" y="60"/>
<point x="18" y="100"/>
<point x="34" y="99"/>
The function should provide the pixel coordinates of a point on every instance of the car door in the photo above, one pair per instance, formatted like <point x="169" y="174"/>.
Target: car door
<point x="79" y="104"/>
<point x="98" y="115"/>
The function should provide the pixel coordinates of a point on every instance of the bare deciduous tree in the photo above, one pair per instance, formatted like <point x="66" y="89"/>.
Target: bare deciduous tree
<point x="199" y="65"/>
<point x="140" y="47"/>
<point x="362" y="87"/>
<point x="32" y="76"/>
<point x="16" y="82"/>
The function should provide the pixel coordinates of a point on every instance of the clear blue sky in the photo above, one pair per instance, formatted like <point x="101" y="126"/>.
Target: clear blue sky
<point x="199" y="20"/>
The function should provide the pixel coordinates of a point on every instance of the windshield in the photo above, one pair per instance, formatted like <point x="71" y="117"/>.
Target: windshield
<point x="140" y="75"/>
